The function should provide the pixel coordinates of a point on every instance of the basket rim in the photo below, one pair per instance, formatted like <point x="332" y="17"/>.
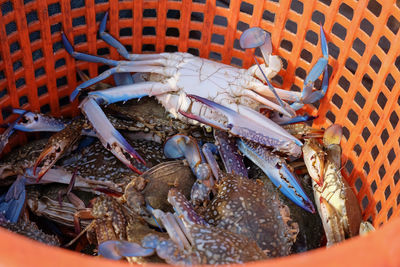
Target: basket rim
<point x="22" y="251"/>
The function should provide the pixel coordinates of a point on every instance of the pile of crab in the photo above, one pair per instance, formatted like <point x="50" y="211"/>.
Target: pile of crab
<point x="191" y="173"/>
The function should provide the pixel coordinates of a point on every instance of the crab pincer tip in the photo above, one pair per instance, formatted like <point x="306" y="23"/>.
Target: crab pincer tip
<point x="103" y="23"/>
<point x="324" y="44"/>
<point x="39" y="160"/>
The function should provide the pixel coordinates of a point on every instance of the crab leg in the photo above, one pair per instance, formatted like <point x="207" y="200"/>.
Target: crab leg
<point x="116" y="44"/>
<point x="307" y="95"/>
<point x="250" y="125"/>
<point x="108" y="135"/>
<point x="278" y="171"/>
<point x="145" y="63"/>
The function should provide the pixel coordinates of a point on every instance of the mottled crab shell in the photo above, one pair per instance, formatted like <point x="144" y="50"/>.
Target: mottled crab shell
<point x="30" y="230"/>
<point x="218" y="246"/>
<point x="243" y="206"/>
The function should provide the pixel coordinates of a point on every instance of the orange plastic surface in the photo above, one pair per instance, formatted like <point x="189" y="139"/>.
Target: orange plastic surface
<point x="37" y="74"/>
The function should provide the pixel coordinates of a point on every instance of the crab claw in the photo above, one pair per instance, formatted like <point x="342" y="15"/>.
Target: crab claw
<point x="314" y="158"/>
<point x="333" y="135"/>
<point x="48" y="157"/>
<point x="117" y="249"/>
<point x="108" y="135"/>
<point x="183" y="208"/>
<point x="278" y="172"/>
<point x="33" y="122"/>
<point x="181" y="145"/>
<point x="250" y="125"/>
<point x="57" y="145"/>
<point x="332" y="223"/>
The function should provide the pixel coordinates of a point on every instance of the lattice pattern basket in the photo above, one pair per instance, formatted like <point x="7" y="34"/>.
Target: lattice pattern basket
<point x="37" y="74"/>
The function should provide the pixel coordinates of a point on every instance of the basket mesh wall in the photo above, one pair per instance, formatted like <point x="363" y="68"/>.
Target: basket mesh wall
<point x="37" y="74"/>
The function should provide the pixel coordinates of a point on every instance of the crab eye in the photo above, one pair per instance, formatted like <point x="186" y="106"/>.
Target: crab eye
<point x="24" y="119"/>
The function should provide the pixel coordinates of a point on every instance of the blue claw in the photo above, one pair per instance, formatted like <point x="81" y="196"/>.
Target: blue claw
<point x="250" y="125"/>
<point x="181" y="145"/>
<point x="34" y="122"/>
<point x="278" y="172"/>
<point x="12" y="203"/>
<point x="117" y="249"/>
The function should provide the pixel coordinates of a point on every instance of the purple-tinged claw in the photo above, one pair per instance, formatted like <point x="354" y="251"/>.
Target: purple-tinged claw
<point x="117" y="249"/>
<point x="278" y="172"/>
<point x="172" y="226"/>
<point x="250" y="125"/>
<point x="108" y="135"/>
<point x="229" y="152"/>
<point x="184" y="208"/>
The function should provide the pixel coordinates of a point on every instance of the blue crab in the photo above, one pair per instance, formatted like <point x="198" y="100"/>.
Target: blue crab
<point x="191" y="240"/>
<point x="240" y="205"/>
<point x="173" y="77"/>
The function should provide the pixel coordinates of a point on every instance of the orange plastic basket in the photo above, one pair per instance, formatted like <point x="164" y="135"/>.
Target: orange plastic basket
<point x="37" y="74"/>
